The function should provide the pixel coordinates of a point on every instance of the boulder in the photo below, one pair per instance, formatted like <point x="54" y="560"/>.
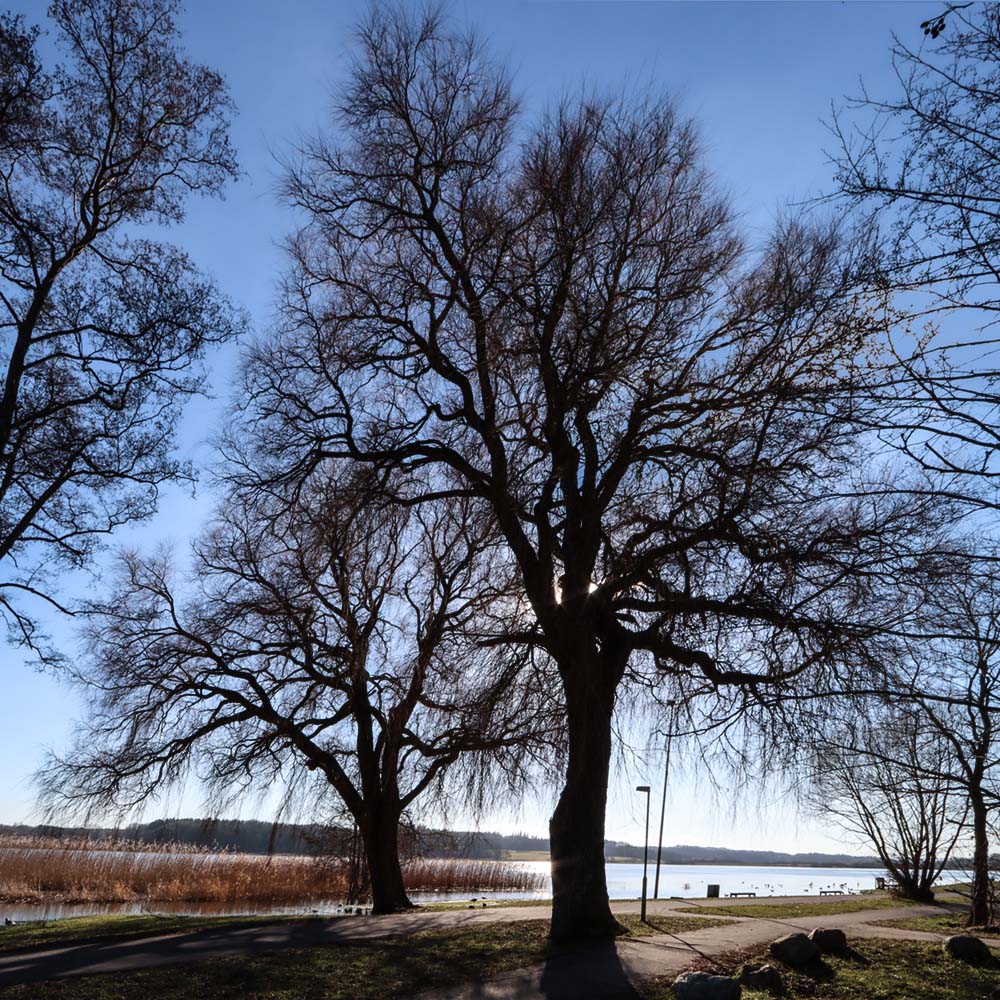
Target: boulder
<point x="794" y="950"/>
<point x="705" y="986"/>
<point x="761" y="977"/>
<point x="967" y="948"/>
<point x="829" y="940"/>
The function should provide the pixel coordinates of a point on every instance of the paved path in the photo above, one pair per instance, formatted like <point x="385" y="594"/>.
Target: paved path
<point x="614" y="972"/>
<point x="604" y="972"/>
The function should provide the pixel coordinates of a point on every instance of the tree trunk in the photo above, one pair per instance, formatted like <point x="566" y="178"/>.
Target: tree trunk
<point x="381" y="837"/>
<point x="915" y="888"/>
<point x="580" y="907"/>
<point x="981" y="910"/>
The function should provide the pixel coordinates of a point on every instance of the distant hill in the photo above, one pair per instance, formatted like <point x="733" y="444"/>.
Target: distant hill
<point x="259" y="837"/>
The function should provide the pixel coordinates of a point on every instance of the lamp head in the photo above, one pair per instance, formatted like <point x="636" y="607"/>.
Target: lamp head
<point x="642" y="788"/>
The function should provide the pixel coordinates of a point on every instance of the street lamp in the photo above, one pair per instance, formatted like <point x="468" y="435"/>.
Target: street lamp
<point x="663" y="813"/>
<point x="645" y="850"/>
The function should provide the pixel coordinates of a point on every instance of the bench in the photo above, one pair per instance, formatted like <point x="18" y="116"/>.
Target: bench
<point x="831" y="892"/>
<point x="749" y="895"/>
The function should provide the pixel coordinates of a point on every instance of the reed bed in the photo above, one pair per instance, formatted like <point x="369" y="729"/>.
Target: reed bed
<point x="95" y="871"/>
<point x="467" y="875"/>
<point x="37" y="869"/>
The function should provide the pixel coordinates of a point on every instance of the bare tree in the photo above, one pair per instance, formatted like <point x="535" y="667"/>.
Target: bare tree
<point x="330" y="647"/>
<point x="940" y="665"/>
<point x="956" y="685"/>
<point x="926" y="161"/>
<point x="102" y="329"/>
<point x="901" y="800"/>
<point x="931" y="155"/>
<point x="558" y="322"/>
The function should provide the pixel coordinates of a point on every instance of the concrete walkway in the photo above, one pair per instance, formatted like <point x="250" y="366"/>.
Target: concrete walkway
<point x="609" y="971"/>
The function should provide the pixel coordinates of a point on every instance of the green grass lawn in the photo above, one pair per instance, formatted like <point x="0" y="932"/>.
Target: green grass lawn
<point x="667" y="924"/>
<point x="387" y="967"/>
<point x="944" y="923"/>
<point x="886" y="970"/>
<point x="806" y="909"/>
<point x="76" y="929"/>
<point x="399" y="966"/>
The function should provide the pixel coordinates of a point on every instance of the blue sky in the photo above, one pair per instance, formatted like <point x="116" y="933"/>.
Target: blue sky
<point x="758" y="77"/>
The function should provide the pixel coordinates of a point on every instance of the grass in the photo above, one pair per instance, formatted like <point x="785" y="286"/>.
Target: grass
<point x="77" y="929"/>
<point x="881" y="970"/>
<point x="389" y="967"/>
<point x="942" y="923"/>
<point x="526" y="855"/>
<point x="400" y="966"/>
<point x="40" y="869"/>
<point x="808" y="909"/>
<point x="666" y="924"/>
<point x="96" y="928"/>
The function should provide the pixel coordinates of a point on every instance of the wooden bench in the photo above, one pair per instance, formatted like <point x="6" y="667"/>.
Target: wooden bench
<point x="749" y="895"/>
<point x="831" y="892"/>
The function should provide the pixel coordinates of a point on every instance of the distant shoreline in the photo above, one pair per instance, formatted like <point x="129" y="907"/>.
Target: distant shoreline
<point x="866" y="865"/>
<point x="270" y="839"/>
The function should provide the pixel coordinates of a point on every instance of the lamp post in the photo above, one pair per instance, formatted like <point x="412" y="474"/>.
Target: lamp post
<point x="645" y="850"/>
<point x="663" y="813"/>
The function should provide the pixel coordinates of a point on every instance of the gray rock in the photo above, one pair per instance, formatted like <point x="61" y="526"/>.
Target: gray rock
<point x="967" y="948"/>
<point x="705" y="986"/>
<point x="761" y="977"/>
<point x="795" y="950"/>
<point x="829" y="940"/>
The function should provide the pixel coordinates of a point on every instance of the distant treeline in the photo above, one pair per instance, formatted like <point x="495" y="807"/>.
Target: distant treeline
<point x="259" y="837"/>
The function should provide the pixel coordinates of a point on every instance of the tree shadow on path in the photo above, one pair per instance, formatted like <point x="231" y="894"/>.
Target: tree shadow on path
<point x="597" y="974"/>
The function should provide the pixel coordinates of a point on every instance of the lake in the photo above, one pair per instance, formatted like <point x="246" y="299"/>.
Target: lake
<point x="624" y="882"/>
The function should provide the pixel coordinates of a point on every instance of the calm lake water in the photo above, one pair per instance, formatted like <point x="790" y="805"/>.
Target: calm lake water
<point x="624" y="882"/>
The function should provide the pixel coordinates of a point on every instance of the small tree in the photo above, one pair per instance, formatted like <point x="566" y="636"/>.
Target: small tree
<point x="899" y="799"/>
<point x="559" y="323"/>
<point x="101" y="328"/>
<point x="956" y="686"/>
<point x="331" y="646"/>
<point x="941" y="667"/>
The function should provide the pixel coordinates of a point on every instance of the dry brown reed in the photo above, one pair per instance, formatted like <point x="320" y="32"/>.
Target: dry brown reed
<point x="469" y="875"/>
<point x="37" y="869"/>
<point x="40" y="869"/>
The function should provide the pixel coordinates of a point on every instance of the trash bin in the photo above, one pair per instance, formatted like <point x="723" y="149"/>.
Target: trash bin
<point x="713" y="892"/>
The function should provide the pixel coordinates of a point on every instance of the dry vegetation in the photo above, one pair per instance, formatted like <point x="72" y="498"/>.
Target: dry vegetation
<point x="460" y="875"/>
<point x="40" y="869"/>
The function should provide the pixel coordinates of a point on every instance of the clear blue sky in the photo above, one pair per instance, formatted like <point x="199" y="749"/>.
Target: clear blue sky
<point x="759" y="77"/>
